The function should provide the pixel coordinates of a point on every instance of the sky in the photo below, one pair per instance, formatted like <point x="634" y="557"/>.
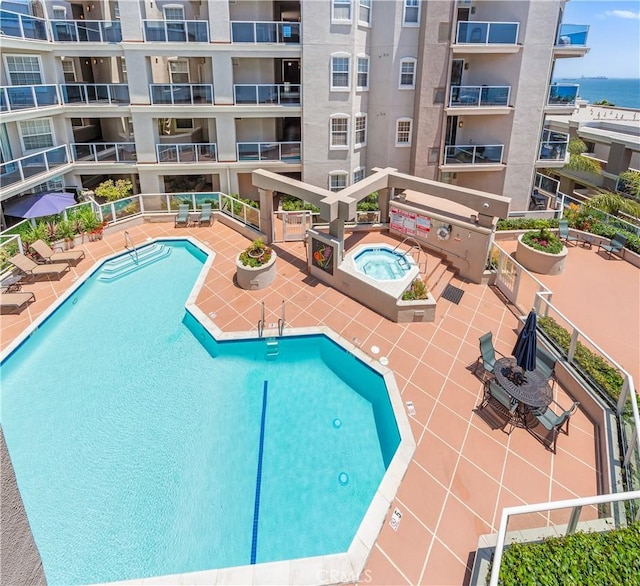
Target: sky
<point x="614" y="39"/>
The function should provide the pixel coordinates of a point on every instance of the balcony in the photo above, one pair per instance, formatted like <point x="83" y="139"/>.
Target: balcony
<point x="104" y="152"/>
<point x="562" y="97"/>
<point x="22" y="97"/>
<point x="176" y="31"/>
<point x="22" y="26"/>
<point x="476" y="98"/>
<point x="86" y="31"/>
<point x="91" y="93"/>
<point x="280" y="33"/>
<point x="572" y="41"/>
<point x="473" y="157"/>
<point x="487" y="37"/>
<point x="187" y="153"/>
<point x="553" y="149"/>
<point x="271" y="94"/>
<point x="180" y="94"/>
<point x="288" y="152"/>
<point x="26" y="167"/>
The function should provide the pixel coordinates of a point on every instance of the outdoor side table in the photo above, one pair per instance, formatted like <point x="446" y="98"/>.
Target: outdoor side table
<point x="586" y="241"/>
<point x="11" y="284"/>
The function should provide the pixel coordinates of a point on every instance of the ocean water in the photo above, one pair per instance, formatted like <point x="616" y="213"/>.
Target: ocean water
<point x="621" y="92"/>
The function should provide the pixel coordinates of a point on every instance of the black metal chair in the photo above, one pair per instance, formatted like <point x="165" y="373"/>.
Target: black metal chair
<point x="617" y="244"/>
<point x="555" y="423"/>
<point x="502" y="401"/>
<point x="487" y="358"/>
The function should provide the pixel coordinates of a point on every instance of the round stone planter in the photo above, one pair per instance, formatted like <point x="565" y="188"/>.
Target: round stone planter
<point x="254" y="278"/>
<point x="540" y="262"/>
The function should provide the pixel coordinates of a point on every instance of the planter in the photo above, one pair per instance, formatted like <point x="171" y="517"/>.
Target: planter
<point x="540" y="262"/>
<point x="254" y="278"/>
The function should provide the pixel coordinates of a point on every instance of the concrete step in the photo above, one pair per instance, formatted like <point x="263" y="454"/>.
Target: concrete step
<point x="444" y="279"/>
<point x="128" y="263"/>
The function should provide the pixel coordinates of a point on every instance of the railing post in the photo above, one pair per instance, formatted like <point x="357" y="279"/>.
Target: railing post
<point x="112" y="207"/>
<point x="631" y="447"/>
<point x="141" y="200"/>
<point x="573" y="520"/>
<point x="21" y="27"/>
<point x="572" y="345"/>
<point x="622" y="399"/>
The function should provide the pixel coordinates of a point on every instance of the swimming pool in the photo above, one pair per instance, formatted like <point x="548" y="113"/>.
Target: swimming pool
<point x="383" y="264"/>
<point x="137" y="449"/>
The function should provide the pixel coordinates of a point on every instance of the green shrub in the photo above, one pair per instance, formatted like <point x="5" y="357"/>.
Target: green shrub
<point x="526" y="224"/>
<point x="256" y="255"/>
<point x="113" y="191"/>
<point x="544" y="241"/>
<point x="580" y="559"/>
<point x="369" y="203"/>
<point x="289" y="203"/>
<point x="417" y="290"/>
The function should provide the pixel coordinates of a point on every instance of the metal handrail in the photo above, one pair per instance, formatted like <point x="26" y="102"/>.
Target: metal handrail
<point x="261" y="321"/>
<point x="128" y="244"/>
<point x="416" y="245"/>
<point x="281" y="320"/>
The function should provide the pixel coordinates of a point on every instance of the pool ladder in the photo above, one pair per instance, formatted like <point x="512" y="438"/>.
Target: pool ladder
<point x="281" y="320"/>
<point x="128" y="244"/>
<point x="416" y="246"/>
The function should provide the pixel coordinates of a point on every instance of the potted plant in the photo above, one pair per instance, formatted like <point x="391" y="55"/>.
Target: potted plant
<point x="541" y="251"/>
<point x="417" y="290"/>
<point x="256" y="266"/>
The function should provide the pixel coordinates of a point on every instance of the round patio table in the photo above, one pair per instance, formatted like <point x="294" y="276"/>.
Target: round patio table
<point x="533" y="392"/>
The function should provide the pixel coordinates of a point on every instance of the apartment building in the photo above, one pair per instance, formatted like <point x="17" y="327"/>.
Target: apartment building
<point x="183" y="95"/>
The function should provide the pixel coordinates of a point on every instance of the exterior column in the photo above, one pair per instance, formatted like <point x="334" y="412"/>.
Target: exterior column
<point x="219" y="25"/>
<point x="138" y="75"/>
<point x="336" y="229"/>
<point x="226" y="138"/>
<point x="384" y="196"/>
<point x="130" y="21"/>
<point x="222" y="78"/>
<point x="266" y="213"/>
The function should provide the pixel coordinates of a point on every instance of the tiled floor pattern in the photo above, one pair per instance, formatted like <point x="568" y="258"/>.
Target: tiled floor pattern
<point x="463" y="472"/>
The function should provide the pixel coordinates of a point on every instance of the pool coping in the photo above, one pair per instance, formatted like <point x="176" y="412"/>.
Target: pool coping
<point x="327" y="569"/>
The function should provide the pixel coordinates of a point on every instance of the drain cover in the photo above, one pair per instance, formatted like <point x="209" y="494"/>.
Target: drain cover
<point x="452" y="294"/>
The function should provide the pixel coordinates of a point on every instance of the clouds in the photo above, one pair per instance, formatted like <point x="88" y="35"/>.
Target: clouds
<point x="627" y="14"/>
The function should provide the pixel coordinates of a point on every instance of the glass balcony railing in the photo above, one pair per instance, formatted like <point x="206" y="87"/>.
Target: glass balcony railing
<point x="562" y="94"/>
<point x="86" y="31"/>
<point x="176" y="31"/>
<point x="23" y="26"/>
<point x="21" y="97"/>
<point x="26" y="167"/>
<point x="104" y="152"/>
<point x="88" y="93"/>
<point x="487" y="33"/>
<point x="553" y="146"/>
<point x="288" y="152"/>
<point x="472" y="154"/>
<point x="466" y="96"/>
<point x="265" y="32"/>
<point x="187" y="153"/>
<point x="181" y="93"/>
<point x="282" y="94"/>
<point x="574" y="35"/>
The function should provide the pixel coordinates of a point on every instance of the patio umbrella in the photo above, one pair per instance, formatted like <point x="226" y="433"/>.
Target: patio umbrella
<point x="38" y="205"/>
<point x="526" y="345"/>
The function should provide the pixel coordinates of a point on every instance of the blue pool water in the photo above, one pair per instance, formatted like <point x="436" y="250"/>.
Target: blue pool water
<point x="382" y="264"/>
<point x="135" y="436"/>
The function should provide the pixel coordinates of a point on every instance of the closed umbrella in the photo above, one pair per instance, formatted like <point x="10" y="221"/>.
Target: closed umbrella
<point x="38" y="205"/>
<point x="526" y="345"/>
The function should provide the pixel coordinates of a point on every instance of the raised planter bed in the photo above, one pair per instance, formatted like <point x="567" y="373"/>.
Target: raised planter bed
<point x="538" y="261"/>
<point x="255" y="278"/>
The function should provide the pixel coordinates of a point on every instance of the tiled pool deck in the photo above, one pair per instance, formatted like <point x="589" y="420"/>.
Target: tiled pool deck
<point x="463" y="472"/>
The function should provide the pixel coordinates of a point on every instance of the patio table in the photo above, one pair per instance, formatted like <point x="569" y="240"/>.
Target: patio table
<point x="534" y="392"/>
<point x="11" y="284"/>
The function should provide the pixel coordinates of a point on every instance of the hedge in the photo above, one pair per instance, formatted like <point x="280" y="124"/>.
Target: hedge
<point x="580" y="559"/>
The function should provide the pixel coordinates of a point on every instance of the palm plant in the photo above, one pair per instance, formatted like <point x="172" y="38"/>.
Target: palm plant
<point x="577" y="160"/>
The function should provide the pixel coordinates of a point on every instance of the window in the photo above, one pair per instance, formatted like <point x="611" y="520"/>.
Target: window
<point x="179" y="71"/>
<point x="36" y="134"/>
<point x="407" y="73"/>
<point x="23" y="69"/>
<point x="339" y="132"/>
<point x="364" y="12"/>
<point x="358" y="174"/>
<point x="411" y="13"/>
<point x="184" y="123"/>
<point x="340" y="72"/>
<point x="116" y="11"/>
<point x="69" y="70"/>
<point x="76" y="122"/>
<point x="341" y="10"/>
<point x="362" y="81"/>
<point x="123" y="66"/>
<point x="337" y="180"/>
<point x="360" y="130"/>
<point x="403" y="132"/>
<point x="173" y="12"/>
<point x="59" y="13"/>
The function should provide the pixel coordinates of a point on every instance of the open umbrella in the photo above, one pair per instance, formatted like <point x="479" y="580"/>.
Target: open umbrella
<point x="38" y="205"/>
<point x="526" y="345"/>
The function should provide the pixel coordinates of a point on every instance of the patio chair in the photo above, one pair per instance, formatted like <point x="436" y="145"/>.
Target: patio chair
<point x="50" y="255"/>
<point x="545" y="363"/>
<point x="502" y="401"/>
<point x="31" y="269"/>
<point x="617" y="244"/>
<point x="563" y="232"/>
<point x="16" y="301"/>
<point x="487" y="357"/>
<point x="183" y="215"/>
<point x="554" y="423"/>
<point x="205" y="214"/>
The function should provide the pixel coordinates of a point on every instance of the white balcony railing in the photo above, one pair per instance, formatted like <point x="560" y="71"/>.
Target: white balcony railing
<point x="553" y="146"/>
<point x="86" y="31"/>
<point x="265" y="32"/>
<point x="176" y="31"/>
<point x="288" y="152"/>
<point x="467" y="96"/>
<point x="487" y="33"/>
<point x="562" y="94"/>
<point x="181" y="93"/>
<point x="25" y="167"/>
<point x="472" y="154"/>
<point x="23" y="26"/>
<point x="87" y="93"/>
<point x="104" y="152"/>
<point x="187" y="153"/>
<point x="22" y="97"/>
<point x="267" y="93"/>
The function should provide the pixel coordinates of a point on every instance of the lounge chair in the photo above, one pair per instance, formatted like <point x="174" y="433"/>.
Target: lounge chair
<point x="183" y="215"/>
<point x="563" y="232"/>
<point x="555" y="423"/>
<point x="205" y="214"/>
<point x="487" y="357"/>
<point x="617" y="244"/>
<point x="31" y="269"/>
<point x="50" y="255"/>
<point x="16" y="301"/>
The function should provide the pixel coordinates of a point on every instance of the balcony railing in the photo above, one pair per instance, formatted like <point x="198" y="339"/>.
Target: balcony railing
<point x="187" y="153"/>
<point x="487" y="33"/>
<point x="13" y="24"/>
<point x="562" y="94"/>
<point x="265" y="32"/>
<point x="86" y="31"/>
<point x="288" y="152"/>
<point x="104" y="152"/>
<point x="87" y="93"/>
<point x="574" y="35"/>
<point x="553" y="146"/>
<point x="282" y="94"/>
<point x="25" y="167"/>
<point x="471" y="154"/>
<point x="176" y="31"/>
<point x="466" y="96"/>
<point x="181" y="93"/>
<point x="21" y="97"/>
